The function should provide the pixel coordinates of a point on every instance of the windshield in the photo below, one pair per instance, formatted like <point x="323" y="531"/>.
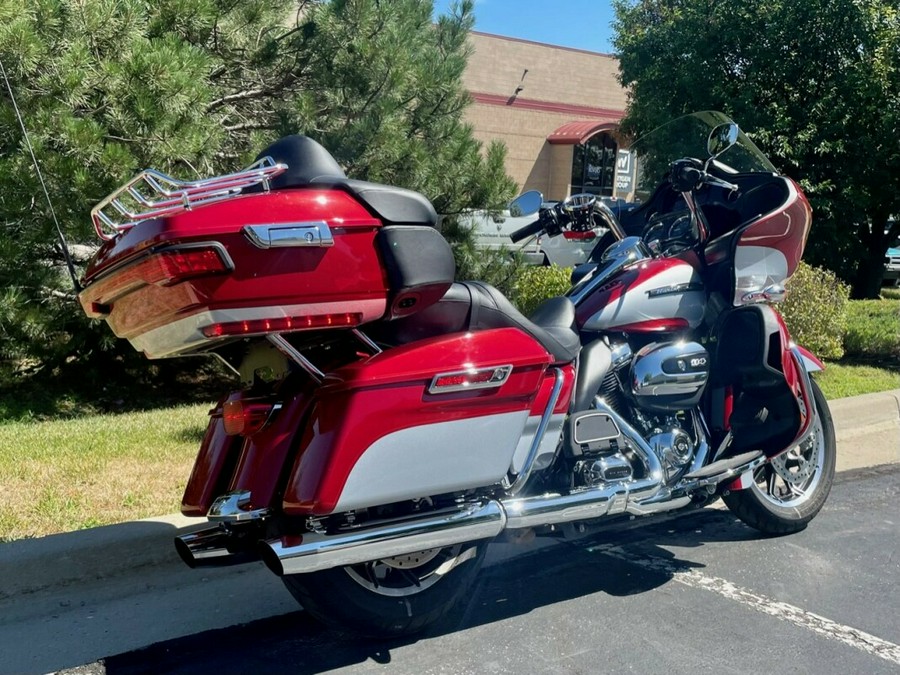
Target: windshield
<point x="687" y="137"/>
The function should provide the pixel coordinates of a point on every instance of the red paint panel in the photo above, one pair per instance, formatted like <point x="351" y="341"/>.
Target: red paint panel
<point x="785" y="229"/>
<point x="627" y="281"/>
<point x="214" y="452"/>
<point x="264" y="455"/>
<point x="366" y="401"/>
<point x="672" y="325"/>
<point x="565" y="394"/>
<point x="423" y="359"/>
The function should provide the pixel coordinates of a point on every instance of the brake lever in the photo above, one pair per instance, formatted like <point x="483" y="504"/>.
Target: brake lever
<point x="713" y="180"/>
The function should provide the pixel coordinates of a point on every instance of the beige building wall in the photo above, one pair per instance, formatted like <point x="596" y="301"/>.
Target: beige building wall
<point x="523" y="91"/>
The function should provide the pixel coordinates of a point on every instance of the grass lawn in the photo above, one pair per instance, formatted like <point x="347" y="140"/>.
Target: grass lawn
<point x="840" y="380"/>
<point x="68" y="474"/>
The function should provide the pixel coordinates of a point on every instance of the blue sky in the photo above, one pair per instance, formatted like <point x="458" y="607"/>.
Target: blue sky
<point x="583" y="24"/>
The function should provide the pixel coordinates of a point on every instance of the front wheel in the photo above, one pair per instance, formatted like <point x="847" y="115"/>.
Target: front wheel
<point x="790" y="490"/>
<point x="395" y="596"/>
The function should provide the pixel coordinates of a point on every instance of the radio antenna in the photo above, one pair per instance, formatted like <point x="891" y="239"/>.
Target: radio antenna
<point x="37" y="168"/>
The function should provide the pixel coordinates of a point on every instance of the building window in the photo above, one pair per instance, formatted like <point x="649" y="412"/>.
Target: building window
<point x="594" y="166"/>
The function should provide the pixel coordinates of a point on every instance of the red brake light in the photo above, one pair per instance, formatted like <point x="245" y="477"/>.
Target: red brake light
<point x="282" y="324"/>
<point x="164" y="268"/>
<point x="245" y="418"/>
<point x="168" y="267"/>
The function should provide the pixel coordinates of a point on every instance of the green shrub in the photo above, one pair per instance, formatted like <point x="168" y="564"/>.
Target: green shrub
<point x="873" y="330"/>
<point x="533" y="285"/>
<point x="816" y="311"/>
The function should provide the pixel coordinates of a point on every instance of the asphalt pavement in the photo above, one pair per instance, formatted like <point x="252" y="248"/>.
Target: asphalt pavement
<point x="76" y="598"/>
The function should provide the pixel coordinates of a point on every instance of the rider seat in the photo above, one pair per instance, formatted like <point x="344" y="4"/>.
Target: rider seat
<point x="474" y="305"/>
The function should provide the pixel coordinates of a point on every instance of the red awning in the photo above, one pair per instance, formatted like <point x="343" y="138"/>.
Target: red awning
<point x="575" y="133"/>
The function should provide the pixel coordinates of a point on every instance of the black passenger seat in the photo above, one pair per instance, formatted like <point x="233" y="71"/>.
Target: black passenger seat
<point x="309" y="164"/>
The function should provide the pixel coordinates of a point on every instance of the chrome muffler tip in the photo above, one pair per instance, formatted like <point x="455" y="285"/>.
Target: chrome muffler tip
<point x="210" y="548"/>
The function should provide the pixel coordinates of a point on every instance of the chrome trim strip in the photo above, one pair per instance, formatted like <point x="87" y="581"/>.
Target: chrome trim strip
<point x="288" y="350"/>
<point x="366" y="340"/>
<point x="520" y="480"/>
<point x="288" y="235"/>
<point x="322" y="551"/>
<point x="806" y="392"/>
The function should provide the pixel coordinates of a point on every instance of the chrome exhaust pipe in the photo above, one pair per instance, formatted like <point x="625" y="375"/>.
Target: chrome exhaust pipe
<point x="586" y="504"/>
<point x="316" y="551"/>
<point x="209" y="548"/>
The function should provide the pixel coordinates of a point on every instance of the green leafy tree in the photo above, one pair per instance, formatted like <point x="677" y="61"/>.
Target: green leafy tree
<point x="816" y="84"/>
<point x="197" y="87"/>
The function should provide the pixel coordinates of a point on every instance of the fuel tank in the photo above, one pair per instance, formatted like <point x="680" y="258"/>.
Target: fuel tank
<point x="650" y="296"/>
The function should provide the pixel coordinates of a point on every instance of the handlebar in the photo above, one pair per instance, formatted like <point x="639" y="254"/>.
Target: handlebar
<point x="527" y="231"/>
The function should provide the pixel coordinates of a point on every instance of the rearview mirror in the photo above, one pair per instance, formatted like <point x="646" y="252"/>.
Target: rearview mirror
<point x="526" y="204"/>
<point x="721" y="138"/>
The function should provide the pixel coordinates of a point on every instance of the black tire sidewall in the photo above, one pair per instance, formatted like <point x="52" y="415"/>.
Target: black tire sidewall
<point x="338" y="600"/>
<point x="760" y="513"/>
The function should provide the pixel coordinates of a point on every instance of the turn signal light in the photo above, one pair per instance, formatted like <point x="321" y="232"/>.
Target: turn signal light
<point x="282" y="324"/>
<point x="245" y="418"/>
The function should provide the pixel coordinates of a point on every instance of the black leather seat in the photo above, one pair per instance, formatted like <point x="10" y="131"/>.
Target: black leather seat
<point x="474" y="305"/>
<point x="311" y="164"/>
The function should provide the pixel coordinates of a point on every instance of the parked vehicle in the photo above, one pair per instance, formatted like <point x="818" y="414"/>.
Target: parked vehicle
<point x="892" y="264"/>
<point x="389" y="423"/>
<point x="493" y="232"/>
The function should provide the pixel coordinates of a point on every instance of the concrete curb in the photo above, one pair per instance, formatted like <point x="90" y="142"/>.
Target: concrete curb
<point x="867" y="429"/>
<point x="33" y="565"/>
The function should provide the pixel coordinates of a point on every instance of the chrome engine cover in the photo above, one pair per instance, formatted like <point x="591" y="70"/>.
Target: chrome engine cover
<point x="668" y="377"/>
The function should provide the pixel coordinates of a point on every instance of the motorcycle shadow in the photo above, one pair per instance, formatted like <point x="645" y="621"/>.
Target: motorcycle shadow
<point x="518" y="579"/>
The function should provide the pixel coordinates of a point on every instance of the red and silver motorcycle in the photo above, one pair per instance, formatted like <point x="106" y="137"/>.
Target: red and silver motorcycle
<point x="389" y="423"/>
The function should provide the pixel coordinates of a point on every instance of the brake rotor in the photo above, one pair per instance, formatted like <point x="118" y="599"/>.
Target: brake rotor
<point x="411" y="560"/>
<point x="795" y="466"/>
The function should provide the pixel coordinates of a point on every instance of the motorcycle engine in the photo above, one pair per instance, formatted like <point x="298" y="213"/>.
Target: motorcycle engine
<point x="667" y="380"/>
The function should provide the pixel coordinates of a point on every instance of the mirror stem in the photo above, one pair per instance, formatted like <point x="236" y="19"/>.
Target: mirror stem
<point x="697" y="216"/>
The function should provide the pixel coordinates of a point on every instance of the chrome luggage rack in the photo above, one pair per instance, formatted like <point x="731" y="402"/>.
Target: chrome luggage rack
<point x="152" y="194"/>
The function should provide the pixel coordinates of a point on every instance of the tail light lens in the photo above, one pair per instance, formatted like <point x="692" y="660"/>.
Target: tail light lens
<point x="245" y="417"/>
<point x="163" y="268"/>
<point x="282" y="324"/>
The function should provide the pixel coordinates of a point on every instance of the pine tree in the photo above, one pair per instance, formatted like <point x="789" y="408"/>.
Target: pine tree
<point x="197" y="87"/>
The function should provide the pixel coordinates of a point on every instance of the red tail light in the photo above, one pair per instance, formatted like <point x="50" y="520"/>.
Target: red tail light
<point x="282" y="324"/>
<point x="163" y="268"/>
<point x="244" y="418"/>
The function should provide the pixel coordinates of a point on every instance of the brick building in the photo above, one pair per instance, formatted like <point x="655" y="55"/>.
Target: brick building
<point x="557" y="109"/>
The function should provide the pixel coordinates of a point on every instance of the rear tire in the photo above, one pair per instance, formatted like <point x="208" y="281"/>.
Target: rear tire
<point x="398" y="596"/>
<point x="789" y="491"/>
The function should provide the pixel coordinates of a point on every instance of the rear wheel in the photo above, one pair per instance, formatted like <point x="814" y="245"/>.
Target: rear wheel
<point x="790" y="490"/>
<point x="395" y="596"/>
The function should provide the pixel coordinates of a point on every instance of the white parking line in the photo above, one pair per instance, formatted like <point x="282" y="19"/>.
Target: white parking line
<point x="781" y="610"/>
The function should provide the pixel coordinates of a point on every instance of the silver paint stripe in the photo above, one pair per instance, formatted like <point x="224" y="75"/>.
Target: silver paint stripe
<point x="853" y="637"/>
